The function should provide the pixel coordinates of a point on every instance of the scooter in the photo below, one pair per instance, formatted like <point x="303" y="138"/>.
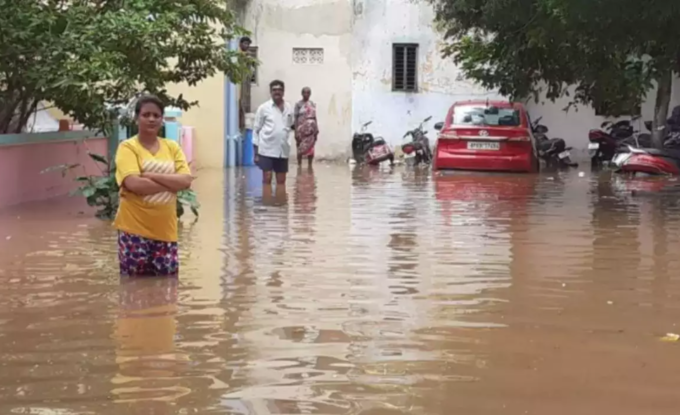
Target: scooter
<point x="367" y="149"/>
<point x="603" y="142"/>
<point x="604" y="145"/>
<point x="418" y="145"/>
<point x="634" y="160"/>
<point x="553" y="151"/>
<point x="666" y="161"/>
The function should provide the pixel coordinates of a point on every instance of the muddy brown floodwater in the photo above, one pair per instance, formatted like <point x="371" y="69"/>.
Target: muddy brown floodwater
<point x="355" y="292"/>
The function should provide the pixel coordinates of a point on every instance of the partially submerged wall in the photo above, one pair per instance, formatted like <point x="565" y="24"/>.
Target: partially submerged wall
<point x="378" y="24"/>
<point x="573" y="125"/>
<point x="24" y="156"/>
<point x="307" y="43"/>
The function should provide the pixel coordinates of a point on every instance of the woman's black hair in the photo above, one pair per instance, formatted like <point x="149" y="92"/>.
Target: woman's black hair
<point x="148" y="99"/>
<point x="276" y="82"/>
<point x="245" y="39"/>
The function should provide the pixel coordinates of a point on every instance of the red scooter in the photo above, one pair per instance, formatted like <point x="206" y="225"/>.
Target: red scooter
<point x="653" y="161"/>
<point x="636" y="159"/>
<point x="370" y="150"/>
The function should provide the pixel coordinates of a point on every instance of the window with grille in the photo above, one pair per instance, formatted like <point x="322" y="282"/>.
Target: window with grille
<point x="405" y="67"/>
<point x="308" y="55"/>
<point x="252" y="51"/>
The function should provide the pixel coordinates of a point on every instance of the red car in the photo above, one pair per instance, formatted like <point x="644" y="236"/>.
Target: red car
<point x="486" y="135"/>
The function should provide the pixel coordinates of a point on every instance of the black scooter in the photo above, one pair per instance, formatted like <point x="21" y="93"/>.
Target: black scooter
<point x="418" y="145"/>
<point x="553" y="151"/>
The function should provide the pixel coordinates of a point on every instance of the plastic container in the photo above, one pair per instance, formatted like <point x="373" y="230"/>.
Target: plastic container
<point x="248" y="150"/>
<point x="239" y="150"/>
<point x="173" y="127"/>
<point x="187" y="143"/>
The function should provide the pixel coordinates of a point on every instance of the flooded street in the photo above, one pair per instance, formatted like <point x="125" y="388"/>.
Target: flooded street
<point x="355" y="292"/>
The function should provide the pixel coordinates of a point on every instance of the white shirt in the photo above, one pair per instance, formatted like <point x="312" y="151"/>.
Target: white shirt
<point x="272" y="129"/>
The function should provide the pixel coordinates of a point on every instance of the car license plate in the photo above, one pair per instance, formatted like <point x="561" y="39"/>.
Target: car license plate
<point x="481" y="145"/>
<point x="593" y="146"/>
<point x="563" y="155"/>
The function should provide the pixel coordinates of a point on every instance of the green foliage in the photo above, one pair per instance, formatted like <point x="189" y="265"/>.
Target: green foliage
<point x="609" y="51"/>
<point x="102" y="191"/>
<point x="187" y="198"/>
<point x="86" y="55"/>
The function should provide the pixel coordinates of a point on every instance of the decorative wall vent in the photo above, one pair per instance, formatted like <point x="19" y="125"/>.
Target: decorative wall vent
<point x="313" y="56"/>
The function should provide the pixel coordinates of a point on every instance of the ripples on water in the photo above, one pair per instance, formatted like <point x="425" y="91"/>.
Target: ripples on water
<point x="354" y="292"/>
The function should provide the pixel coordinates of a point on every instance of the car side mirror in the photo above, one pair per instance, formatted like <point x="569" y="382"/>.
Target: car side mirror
<point x="439" y="126"/>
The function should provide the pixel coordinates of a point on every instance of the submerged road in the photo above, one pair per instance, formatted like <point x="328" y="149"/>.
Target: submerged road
<point x="355" y="292"/>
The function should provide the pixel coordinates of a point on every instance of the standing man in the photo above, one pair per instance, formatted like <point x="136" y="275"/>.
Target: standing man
<point x="273" y="124"/>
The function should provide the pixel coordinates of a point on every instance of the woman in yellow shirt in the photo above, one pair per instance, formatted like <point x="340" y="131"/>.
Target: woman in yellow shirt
<point x="149" y="171"/>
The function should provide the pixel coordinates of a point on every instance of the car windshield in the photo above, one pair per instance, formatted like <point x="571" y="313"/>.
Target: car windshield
<point x="483" y="115"/>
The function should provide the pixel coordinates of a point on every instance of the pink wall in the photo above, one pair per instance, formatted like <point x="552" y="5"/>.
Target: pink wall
<point x="21" y="164"/>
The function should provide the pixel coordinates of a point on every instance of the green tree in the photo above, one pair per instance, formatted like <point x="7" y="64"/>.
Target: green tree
<point x="84" y="56"/>
<point x="610" y="51"/>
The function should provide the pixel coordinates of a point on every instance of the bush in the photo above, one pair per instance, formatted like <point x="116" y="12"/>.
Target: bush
<point x="102" y="191"/>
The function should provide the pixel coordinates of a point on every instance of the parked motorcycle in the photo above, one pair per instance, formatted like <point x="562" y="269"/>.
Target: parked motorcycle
<point x="653" y="161"/>
<point x="649" y="161"/>
<point x="553" y="151"/>
<point x="370" y="150"/>
<point x="418" y="145"/>
<point x="607" y="140"/>
<point x="634" y="159"/>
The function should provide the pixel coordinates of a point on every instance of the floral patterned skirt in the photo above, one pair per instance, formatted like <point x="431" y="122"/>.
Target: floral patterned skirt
<point x="306" y="135"/>
<point x="143" y="257"/>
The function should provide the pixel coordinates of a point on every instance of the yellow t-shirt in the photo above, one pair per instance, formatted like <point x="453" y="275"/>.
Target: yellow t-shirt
<point x="151" y="216"/>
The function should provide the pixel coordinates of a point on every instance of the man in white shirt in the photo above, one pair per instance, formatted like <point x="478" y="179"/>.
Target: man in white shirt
<point x="273" y="124"/>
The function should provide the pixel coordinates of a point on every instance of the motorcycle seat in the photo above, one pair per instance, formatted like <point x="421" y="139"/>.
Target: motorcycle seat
<point x="666" y="152"/>
<point x="552" y="144"/>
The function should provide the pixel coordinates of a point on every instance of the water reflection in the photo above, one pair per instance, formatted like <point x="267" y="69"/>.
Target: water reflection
<point x="273" y="195"/>
<point x="355" y="291"/>
<point x="145" y="331"/>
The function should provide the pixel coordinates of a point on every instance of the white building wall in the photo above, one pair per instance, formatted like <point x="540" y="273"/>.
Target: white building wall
<point x="573" y="125"/>
<point x="277" y="27"/>
<point x="354" y="83"/>
<point x="377" y="25"/>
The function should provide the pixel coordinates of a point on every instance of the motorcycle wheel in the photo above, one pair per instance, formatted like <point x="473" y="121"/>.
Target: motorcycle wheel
<point x="536" y="164"/>
<point x="566" y="162"/>
<point x="595" y="163"/>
